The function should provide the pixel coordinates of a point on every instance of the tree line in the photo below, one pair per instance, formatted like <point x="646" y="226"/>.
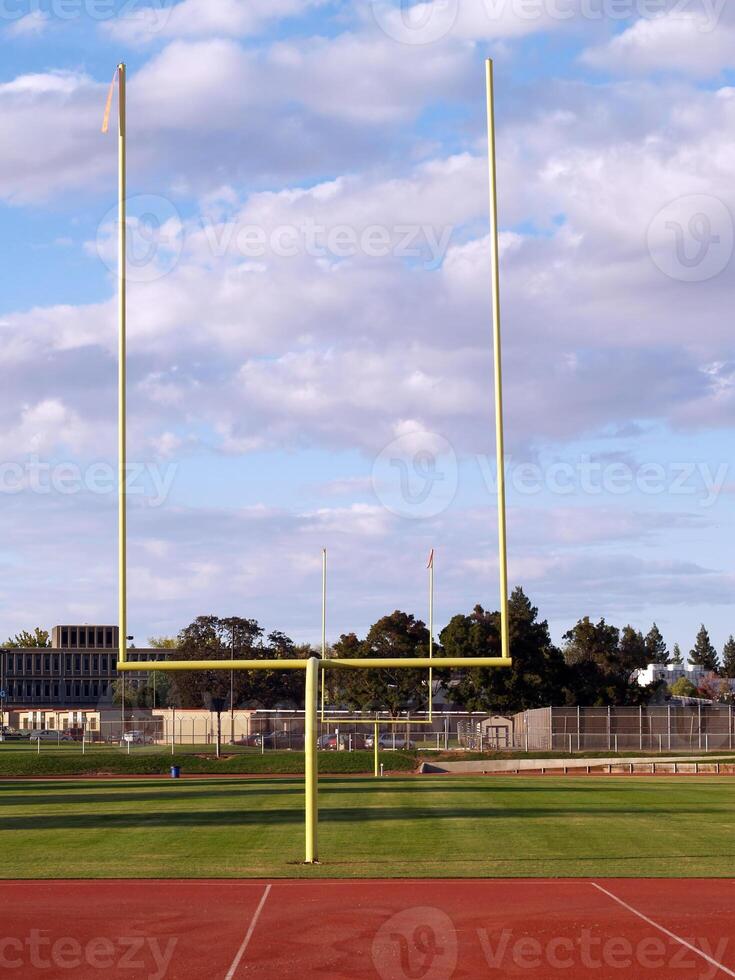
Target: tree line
<point x="595" y="665"/>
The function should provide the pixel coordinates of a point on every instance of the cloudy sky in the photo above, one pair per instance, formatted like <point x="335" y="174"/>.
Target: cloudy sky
<point x="309" y="323"/>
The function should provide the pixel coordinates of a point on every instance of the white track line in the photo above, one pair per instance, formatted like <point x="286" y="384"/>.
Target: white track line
<point x="248" y="935"/>
<point x="666" y="932"/>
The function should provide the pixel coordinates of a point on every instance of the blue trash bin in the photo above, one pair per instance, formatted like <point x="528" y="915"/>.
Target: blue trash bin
<point x="175" y="772"/>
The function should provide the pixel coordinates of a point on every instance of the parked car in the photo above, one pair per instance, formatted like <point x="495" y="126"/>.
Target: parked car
<point x="327" y="742"/>
<point x="48" y="735"/>
<point x="136" y="737"/>
<point x="392" y="740"/>
<point x="10" y="734"/>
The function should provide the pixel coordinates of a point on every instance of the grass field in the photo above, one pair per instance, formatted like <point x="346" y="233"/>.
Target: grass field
<point x="22" y="759"/>
<point x="399" y="826"/>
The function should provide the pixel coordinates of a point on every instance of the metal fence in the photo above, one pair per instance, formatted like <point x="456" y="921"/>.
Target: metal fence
<point x="277" y="729"/>
<point x="657" y="728"/>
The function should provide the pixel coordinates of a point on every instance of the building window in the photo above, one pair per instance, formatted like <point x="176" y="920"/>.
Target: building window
<point x="56" y="691"/>
<point x="77" y="690"/>
<point x="47" y="690"/>
<point x="86" y="665"/>
<point x="38" y="663"/>
<point x="86" y="689"/>
<point x="47" y="663"/>
<point x="65" y="637"/>
<point x="29" y="689"/>
<point x="73" y="638"/>
<point x="57" y="663"/>
<point x="77" y="664"/>
<point x="68" y="689"/>
<point x="38" y="689"/>
<point x="100" y="642"/>
<point x="108" y="637"/>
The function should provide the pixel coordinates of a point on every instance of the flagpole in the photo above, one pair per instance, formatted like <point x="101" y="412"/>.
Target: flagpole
<point x="122" y="372"/>
<point x="324" y="620"/>
<point x="499" y="436"/>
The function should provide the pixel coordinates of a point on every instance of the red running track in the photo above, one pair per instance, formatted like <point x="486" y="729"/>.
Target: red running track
<point x="389" y="930"/>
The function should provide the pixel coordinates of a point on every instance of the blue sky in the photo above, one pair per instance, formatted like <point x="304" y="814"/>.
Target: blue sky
<point x="310" y="360"/>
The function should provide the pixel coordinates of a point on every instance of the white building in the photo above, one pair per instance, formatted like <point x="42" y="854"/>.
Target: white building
<point x="669" y="673"/>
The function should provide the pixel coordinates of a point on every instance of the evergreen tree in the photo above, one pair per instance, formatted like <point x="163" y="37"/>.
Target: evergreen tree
<point x="656" y="647"/>
<point x="703" y="654"/>
<point x="677" y="660"/>
<point x="728" y="658"/>
<point x="602" y="670"/>
<point x="538" y="675"/>
<point x="632" y="649"/>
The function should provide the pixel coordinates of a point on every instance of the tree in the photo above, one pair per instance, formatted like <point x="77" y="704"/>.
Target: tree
<point x="714" y="688"/>
<point x="656" y="647"/>
<point x="683" y="688"/>
<point x="703" y="654"/>
<point x="215" y="638"/>
<point x="398" y="635"/>
<point x="728" y="658"/>
<point x="38" y="638"/>
<point x="163" y="642"/>
<point x="602" y="671"/>
<point x="537" y="676"/>
<point x="633" y="650"/>
<point x="676" y="659"/>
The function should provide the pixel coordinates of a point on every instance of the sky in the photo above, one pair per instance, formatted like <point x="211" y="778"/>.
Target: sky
<point x="309" y="338"/>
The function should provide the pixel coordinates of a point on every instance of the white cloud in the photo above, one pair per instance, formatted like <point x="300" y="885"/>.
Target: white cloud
<point x="677" y="42"/>
<point x="202" y="18"/>
<point x="30" y="25"/>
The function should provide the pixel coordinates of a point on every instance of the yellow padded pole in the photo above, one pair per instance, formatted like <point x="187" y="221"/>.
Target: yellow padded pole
<point x="311" y="767"/>
<point x="498" y="367"/>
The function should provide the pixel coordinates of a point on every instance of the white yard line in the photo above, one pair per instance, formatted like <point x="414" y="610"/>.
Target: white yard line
<point x="248" y="935"/>
<point x="666" y="932"/>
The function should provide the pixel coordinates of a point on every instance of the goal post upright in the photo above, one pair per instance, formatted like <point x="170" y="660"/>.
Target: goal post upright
<point x="312" y="667"/>
<point x="497" y="362"/>
<point x="311" y="762"/>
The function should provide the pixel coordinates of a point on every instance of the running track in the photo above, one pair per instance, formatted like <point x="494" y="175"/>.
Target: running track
<point x="389" y="930"/>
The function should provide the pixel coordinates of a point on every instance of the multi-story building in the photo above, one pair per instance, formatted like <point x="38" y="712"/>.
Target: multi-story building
<point x="79" y="668"/>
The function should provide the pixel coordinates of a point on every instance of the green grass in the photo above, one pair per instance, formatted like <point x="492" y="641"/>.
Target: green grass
<point x="18" y="759"/>
<point x="398" y="826"/>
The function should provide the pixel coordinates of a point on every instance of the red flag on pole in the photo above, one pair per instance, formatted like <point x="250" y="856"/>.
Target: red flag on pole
<point x="431" y="559"/>
<point x="108" y="104"/>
